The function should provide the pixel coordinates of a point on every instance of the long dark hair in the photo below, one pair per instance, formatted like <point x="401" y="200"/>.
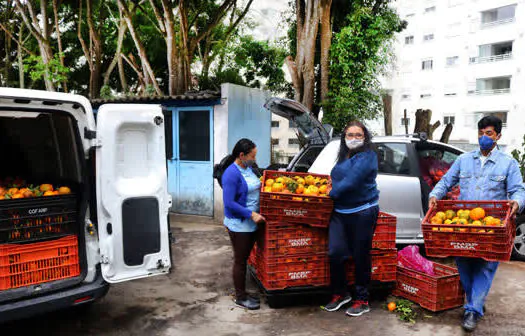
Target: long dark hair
<point x="242" y="146"/>
<point x="344" y="152"/>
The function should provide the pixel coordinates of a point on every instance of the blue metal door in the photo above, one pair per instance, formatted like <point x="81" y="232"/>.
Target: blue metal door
<point x="190" y="169"/>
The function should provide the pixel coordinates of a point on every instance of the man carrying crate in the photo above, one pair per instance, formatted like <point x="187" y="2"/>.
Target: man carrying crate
<point x="484" y="174"/>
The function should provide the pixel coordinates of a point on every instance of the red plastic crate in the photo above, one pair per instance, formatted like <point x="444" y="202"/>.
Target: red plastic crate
<point x="493" y="246"/>
<point x="384" y="266"/>
<point x="440" y="292"/>
<point x="292" y="271"/>
<point x="295" y="208"/>
<point x="281" y="238"/>
<point x="28" y="264"/>
<point x="385" y="232"/>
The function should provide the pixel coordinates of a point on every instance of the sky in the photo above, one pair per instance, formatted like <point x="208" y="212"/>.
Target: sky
<point x="268" y="14"/>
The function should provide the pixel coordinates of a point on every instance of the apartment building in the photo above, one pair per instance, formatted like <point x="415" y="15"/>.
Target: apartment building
<point x="463" y="59"/>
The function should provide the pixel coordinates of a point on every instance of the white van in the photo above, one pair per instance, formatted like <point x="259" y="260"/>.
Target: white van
<point x="117" y="213"/>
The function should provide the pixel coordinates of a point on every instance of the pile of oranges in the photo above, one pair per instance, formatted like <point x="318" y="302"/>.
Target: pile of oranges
<point x="21" y="190"/>
<point x="474" y="217"/>
<point x="308" y="185"/>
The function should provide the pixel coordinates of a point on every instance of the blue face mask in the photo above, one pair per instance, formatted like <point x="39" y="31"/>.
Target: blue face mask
<point x="485" y="143"/>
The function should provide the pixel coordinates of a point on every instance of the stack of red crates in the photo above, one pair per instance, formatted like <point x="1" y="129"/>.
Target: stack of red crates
<point x="292" y="247"/>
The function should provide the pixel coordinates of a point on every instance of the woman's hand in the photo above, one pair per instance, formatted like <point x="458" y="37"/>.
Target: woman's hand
<point x="257" y="218"/>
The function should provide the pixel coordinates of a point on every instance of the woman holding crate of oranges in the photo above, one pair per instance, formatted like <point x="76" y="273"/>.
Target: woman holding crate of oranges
<point x="353" y="221"/>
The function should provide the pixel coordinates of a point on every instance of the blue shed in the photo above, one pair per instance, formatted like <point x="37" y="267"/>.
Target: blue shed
<point x="201" y="128"/>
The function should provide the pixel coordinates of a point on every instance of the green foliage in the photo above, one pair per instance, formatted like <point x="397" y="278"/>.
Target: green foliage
<point x="38" y="70"/>
<point x="105" y="92"/>
<point x="359" y="54"/>
<point x="405" y="310"/>
<point x="519" y="155"/>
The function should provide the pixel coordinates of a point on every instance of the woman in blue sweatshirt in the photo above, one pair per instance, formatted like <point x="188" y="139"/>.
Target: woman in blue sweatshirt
<point x="353" y="221"/>
<point x="240" y="194"/>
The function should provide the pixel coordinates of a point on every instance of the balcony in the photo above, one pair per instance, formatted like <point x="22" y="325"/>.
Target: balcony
<point x="486" y="25"/>
<point x="489" y="59"/>
<point x="488" y="92"/>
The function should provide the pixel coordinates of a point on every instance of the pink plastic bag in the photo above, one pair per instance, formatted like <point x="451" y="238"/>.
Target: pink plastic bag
<point x="409" y="257"/>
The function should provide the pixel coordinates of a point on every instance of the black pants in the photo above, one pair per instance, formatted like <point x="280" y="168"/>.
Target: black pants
<point x="351" y="235"/>
<point x="242" y="243"/>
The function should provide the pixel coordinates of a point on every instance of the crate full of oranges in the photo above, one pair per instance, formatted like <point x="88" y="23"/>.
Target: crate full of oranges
<point x="296" y="197"/>
<point x="482" y="229"/>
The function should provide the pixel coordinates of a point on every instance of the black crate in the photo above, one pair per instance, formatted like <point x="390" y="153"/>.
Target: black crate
<point x="37" y="218"/>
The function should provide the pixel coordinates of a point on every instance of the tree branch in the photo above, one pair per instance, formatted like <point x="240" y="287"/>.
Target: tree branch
<point x="8" y="33"/>
<point x="80" y="38"/>
<point x="221" y="12"/>
<point x="32" y="29"/>
<point x="239" y="19"/>
<point x="162" y="26"/>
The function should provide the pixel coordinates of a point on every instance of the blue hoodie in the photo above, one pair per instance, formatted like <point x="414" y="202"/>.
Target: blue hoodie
<point x="354" y="181"/>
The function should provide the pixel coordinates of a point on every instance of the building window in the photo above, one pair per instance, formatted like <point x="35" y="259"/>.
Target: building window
<point x="449" y="120"/>
<point x="452" y="61"/>
<point x="430" y="9"/>
<point x="425" y="95"/>
<point x="293" y="141"/>
<point x="275" y="124"/>
<point x="500" y="114"/>
<point x="409" y="39"/>
<point x="275" y="141"/>
<point x="498" y="16"/>
<point x="405" y="96"/>
<point x="428" y="37"/>
<point x="291" y="124"/>
<point x="427" y="64"/>
<point x="405" y="121"/>
<point x="410" y="15"/>
<point x="450" y="94"/>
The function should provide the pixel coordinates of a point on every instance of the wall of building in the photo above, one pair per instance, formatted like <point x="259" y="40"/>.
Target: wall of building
<point x="452" y="88"/>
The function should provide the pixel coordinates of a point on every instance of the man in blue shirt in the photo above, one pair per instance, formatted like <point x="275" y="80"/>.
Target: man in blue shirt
<point x="484" y="174"/>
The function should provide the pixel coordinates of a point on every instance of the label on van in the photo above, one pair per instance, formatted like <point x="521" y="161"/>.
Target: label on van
<point x="295" y="212"/>
<point x="37" y="211"/>
<point x="299" y="275"/>
<point x="464" y="246"/>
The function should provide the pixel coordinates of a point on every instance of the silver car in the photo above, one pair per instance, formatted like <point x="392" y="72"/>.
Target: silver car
<point x="401" y="176"/>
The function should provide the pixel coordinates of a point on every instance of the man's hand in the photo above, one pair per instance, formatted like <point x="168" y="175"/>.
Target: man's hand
<point x="432" y="203"/>
<point x="514" y="207"/>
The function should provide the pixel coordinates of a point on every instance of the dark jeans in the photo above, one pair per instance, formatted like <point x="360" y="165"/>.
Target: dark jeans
<point x="351" y="235"/>
<point x="242" y="243"/>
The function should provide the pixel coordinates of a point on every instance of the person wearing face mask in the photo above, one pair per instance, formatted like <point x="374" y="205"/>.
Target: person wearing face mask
<point x="485" y="174"/>
<point x="241" y="188"/>
<point x="352" y="224"/>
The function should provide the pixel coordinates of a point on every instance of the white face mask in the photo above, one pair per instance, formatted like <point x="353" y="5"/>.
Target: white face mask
<point x="354" y="143"/>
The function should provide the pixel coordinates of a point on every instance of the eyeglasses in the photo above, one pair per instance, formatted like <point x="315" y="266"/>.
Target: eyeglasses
<point x="355" y="135"/>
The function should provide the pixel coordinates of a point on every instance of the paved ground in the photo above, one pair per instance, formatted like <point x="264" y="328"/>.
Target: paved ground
<point x="195" y="300"/>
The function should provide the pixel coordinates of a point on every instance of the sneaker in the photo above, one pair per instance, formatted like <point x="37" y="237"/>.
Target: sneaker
<point x="254" y="298"/>
<point x="337" y="302"/>
<point x="470" y="321"/>
<point x="247" y="303"/>
<point x="358" y="308"/>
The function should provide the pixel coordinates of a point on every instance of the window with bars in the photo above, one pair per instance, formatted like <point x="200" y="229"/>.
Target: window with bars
<point x="449" y="120"/>
<point x="428" y="37"/>
<point x="275" y="124"/>
<point x="275" y="141"/>
<point x="430" y="9"/>
<point x="452" y="61"/>
<point x="409" y="39"/>
<point x="427" y="64"/>
<point x="293" y="141"/>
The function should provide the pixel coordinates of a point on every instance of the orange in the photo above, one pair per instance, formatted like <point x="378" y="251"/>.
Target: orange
<point x="477" y="213"/>
<point x="46" y="187"/>
<point x="269" y="182"/>
<point x="436" y="220"/>
<point x="300" y="189"/>
<point x="314" y="190"/>
<point x="309" y="180"/>
<point x="279" y="180"/>
<point x="49" y="193"/>
<point x="64" y="190"/>
<point x="441" y="215"/>
<point x="12" y="191"/>
<point x="300" y="180"/>
<point x="391" y="306"/>
<point x="323" y="189"/>
<point x="27" y="193"/>
<point x="267" y="189"/>
<point x="18" y="195"/>
<point x="277" y="187"/>
<point x="450" y="214"/>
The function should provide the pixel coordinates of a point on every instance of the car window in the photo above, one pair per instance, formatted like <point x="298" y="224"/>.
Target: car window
<point x="434" y="162"/>
<point x="393" y="158"/>
<point x="307" y="158"/>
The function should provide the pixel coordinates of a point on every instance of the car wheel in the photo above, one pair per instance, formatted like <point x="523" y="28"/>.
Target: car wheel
<point x="518" y="251"/>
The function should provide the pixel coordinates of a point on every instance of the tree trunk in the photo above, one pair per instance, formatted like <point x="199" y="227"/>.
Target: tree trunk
<point x="41" y="35"/>
<point x="423" y="118"/>
<point x="122" y="28"/>
<point x="149" y="75"/>
<point x="445" y="137"/>
<point x="95" y="52"/>
<point x="326" y="43"/>
<point x="387" y="110"/>
<point x="59" y="41"/>
<point x="20" y="56"/>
